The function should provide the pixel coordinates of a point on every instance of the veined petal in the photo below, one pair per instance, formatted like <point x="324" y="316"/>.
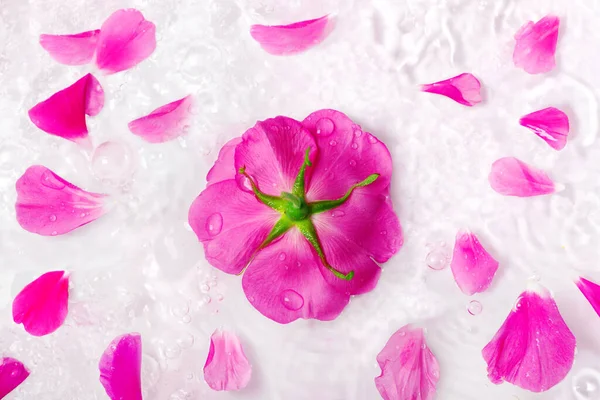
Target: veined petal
<point x="120" y="367"/>
<point x="77" y="49"/>
<point x="591" y="291"/>
<point x="512" y="177"/>
<point x="472" y="266"/>
<point x="12" y="374"/>
<point x="224" y="167"/>
<point x="226" y="367"/>
<point x="551" y="124"/>
<point x="464" y="89"/>
<point x="163" y="124"/>
<point x="536" y="45"/>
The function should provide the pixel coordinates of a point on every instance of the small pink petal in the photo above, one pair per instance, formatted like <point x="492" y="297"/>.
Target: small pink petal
<point x="49" y="205"/>
<point x="12" y="374"/>
<point x="75" y="49"/>
<point x="551" y="124"/>
<point x="165" y="123"/>
<point x="42" y="305"/>
<point x="536" y="45"/>
<point x="472" y="266"/>
<point x="591" y="291"/>
<point x="120" y="367"/>
<point x="534" y="348"/>
<point x="464" y="89"/>
<point x="512" y="177"/>
<point x="63" y="114"/>
<point x="226" y="367"/>
<point x="409" y="370"/>
<point x="295" y="38"/>
<point x="126" y="39"/>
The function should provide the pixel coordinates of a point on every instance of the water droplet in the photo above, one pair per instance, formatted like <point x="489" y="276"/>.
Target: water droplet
<point x="282" y="256"/>
<point x="173" y="351"/>
<point x="112" y="161"/>
<point x="325" y="127"/>
<point x="372" y="139"/>
<point x="54" y="233"/>
<point x="291" y="299"/>
<point x="354" y="146"/>
<point x="186" y="319"/>
<point x="220" y="297"/>
<point x="383" y="233"/>
<point x="352" y="163"/>
<point x="251" y="299"/>
<point x="204" y="288"/>
<point x="52" y="181"/>
<point x="357" y="132"/>
<point x="82" y="215"/>
<point x="186" y="341"/>
<point x="214" y="224"/>
<point x="53" y="218"/>
<point x="332" y="143"/>
<point x="245" y="183"/>
<point x="436" y="260"/>
<point x="586" y="384"/>
<point x="474" y="307"/>
<point x="337" y="213"/>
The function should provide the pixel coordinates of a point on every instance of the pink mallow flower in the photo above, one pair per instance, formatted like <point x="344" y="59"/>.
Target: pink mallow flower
<point x="304" y="209"/>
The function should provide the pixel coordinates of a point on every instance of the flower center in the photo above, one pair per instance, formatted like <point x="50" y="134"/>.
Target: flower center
<point x="296" y="208"/>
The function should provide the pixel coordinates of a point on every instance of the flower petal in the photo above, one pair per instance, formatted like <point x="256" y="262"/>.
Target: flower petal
<point x="226" y="367"/>
<point x="42" y="305"/>
<point x="536" y="45"/>
<point x="231" y="224"/>
<point x="472" y="266"/>
<point x="551" y="124"/>
<point x="534" y="348"/>
<point x="409" y="370"/>
<point x="12" y="374"/>
<point x="163" y="124"/>
<point x="75" y="49"/>
<point x="295" y="38"/>
<point x="464" y="89"/>
<point x="126" y="39"/>
<point x="49" y="205"/>
<point x="512" y="177"/>
<point x="591" y="291"/>
<point x="224" y="168"/>
<point x="120" y="367"/>
<point x="285" y="282"/>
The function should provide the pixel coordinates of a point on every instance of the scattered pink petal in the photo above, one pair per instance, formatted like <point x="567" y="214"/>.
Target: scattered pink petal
<point x="472" y="266"/>
<point x="295" y="38"/>
<point x="49" y="205"/>
<point x="120" y="367"/>
<point x="75" y="49"/>
<point x="409" y="371"/>
<point x="226" y="367"/>
<point x="536" y="45"/>
<point x="126" y="39"/>
<point x="591" y="291"/>
<point x="12" y="374"/>
<point x="464" y="89"/>
<point x="512" y="177"/>
<point x="165" y="123"/>
<point x="534" y="348"/>
<point x="551" y="124"/>
<point x="42" y="305"/>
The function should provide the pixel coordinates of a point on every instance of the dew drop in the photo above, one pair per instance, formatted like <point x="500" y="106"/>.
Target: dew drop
<point x="204" y="288"/>
<point x="372" y="139"/>
<point x="436" y="260"/>
<point x="357" y="132"/>
<point x="51" y="181"/>
<point x="332" y="143"/>
<point x="474" y="307"/>
<point x="291" y="299"/>
<point x="52" y="218"/>
<point x="354" y="146"/>
<point x="325" y="127"/>
<point x="352" y="163"/>
<point x="337" y="213"/>
<point x="214" y="224"/>
<point x="282" y="256"/>
<point x="586" y="385"/>
<point x="113" y="161"/>
<point x="383" y="233"/>
<point x="54" y="233"/>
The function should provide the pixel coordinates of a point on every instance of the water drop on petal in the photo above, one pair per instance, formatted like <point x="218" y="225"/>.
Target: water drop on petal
<point x="291" y="299"/>
<point x="325" y="127"/>
<point x="214" y="224"/>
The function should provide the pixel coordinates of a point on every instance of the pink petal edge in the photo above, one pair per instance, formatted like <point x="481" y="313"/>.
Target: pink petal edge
<point x="12" y="374"/>
<point x="465" y="89"/>
<point x="120" y="367"/>
<point x="226" y="367"/>
<point x="512" y="177"/>
<point x="536" y="45"/>
<point x="472" y="266"/>
<point x="165" y="123"/>
<point x="77" y="49"/>
<point x="550" y="124"/>
<point x="591" y="291"/>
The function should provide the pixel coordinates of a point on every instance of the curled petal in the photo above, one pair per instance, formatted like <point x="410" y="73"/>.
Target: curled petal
<point x="295" y="38"/>
<point x="472" y="266"/>
<point x="551" y="124"/>
<point x="534" y="348"/>
<point x="120" y="367"/>
<point x="464" y="89"/>
<point x="409" y="370"/>
<point x="12" y="374"/>
<point x="49" y="205"/>
<point x="536" y="45"/>
<point x="75" y="49"/>
<point x="226" y="367"/>
<point x="163" y="124"/>
<point x="42" y="305"/>
<point x="512" y="177"/>
<point x="591" y="291"/>
<point x="224" y="168"/>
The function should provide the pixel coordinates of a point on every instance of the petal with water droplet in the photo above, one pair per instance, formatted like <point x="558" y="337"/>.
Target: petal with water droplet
<point x="536" y="45"/>
<point x="465" y="89"/>
<point x="120" y="367"/>
<point x="77" y="49"/>
<point x="512" y="177"/>
<point x="472" y="266"/>
<point x="165" y="123"/>
<point x="12" y="374"/>
<point x="226" y="367"/>
<point x="551" y="124"/>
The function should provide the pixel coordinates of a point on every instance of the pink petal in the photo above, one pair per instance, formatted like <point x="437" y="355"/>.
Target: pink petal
<point x="512" y="177"/>
<point x="163" y="124"/>
<point x="75" y="49"/>
<point x="42" y="305"/>
<point x="226" y="367"/>
<point x="49" y="205"/>
<point x="295" y="38"/>
<point x="63" y="114"/>
<point x="464" y="89"/>
<point x="12" y="374"/>
<point x="536" y="45"/>
<point x="409" y="370"/>
<point x="126" y="39"/>
<point x="551" y="124"/>
<point x="120" y="366"/>
<point x="591" y="291"/>
<point x="534" y="349"/>
<point x="472" y="266"/>
<point x="224" y="168"/>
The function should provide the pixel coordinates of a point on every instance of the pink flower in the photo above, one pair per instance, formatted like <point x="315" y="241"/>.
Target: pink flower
<point x="534" y="348"/>
<point x="120" y="367"/>
<point x="306" y="209"/>
<point x="472" y="266"/>
<point x="75" y="49"/>
<point x="163" y="124"/>
<point x="12" y="374"/>
<point x="536" y="45"/>
<point x="591" y="291"/>
<point x="551" y="124"/>
<point x="409" y="370"/>
<point x="42" y="305"/>
<point x="226" y="367"/>
<point x="512" y="177"/>
<point x="464" y="89"/>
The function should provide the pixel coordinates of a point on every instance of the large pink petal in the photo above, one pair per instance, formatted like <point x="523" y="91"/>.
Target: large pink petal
<point x="591" y="291"/>
<point x="224" y="167"/>
<point x="49" y="205"/>
<point x="163" y="124"/>
<point x="534" y="348"/>
<point x="285" y="282"/>
<point x="551" y="124"/>
<point x="295" y="38"/>
<point x="42" y="305"/>
<point x="231" y="224"/>
<point x="126" y="39"/>
<point x="120" y="367"/>
<point x="512" y="177"/>
<point x="226" y="367"/>
<point x="472" y="266"/>
<point x="464" y="89"/>
<point x="536" y="45"/>
<point x="12" y="374"/>
<point x="75" y="49"/>
<point x="63" y="114"/>
<point x="409" y="370"/>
